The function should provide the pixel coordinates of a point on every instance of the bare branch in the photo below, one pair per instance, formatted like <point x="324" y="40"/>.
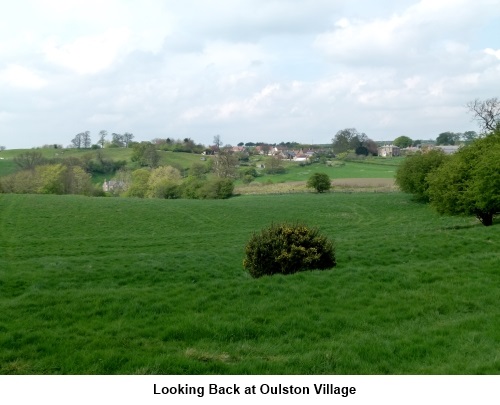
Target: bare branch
<point x="486" y="112"/>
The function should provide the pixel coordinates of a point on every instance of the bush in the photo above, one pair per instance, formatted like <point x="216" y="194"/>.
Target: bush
<point x="216" y="189"/>
<point x="320" y="182"/>
<point x="287" y="249"/>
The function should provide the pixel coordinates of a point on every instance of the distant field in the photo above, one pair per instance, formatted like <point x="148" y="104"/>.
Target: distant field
<point x="131" y="286"/>
<point x="184" y="160"/>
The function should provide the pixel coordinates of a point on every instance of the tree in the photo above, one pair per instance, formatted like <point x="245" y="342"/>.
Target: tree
<point x="139" y="183"/>
<point x="469" y="136"/>
<point x="348" y="139"/>
<point x="163" y="182"/>
<point x="76" y="142"/>
<point x="2" y="147"/>
<point x="486" y="112"/>
<point x="448" y="138"/>
<point x="217" y="142"/>
<point x="145" y="154"/>
<point x="274" y="165"/>
<point x="224" y="164"/>
<point x="86" y="141"/>
<point x="411" y="176"/>
<point x="403" y="141"/>
<point x="469" y="182"/>
<point x="117" y="140"/>
<point x="320" y="182"/>
<point x="102" y="137"/>
<point x="29" y="160"/>
<point x="127" y="138"/>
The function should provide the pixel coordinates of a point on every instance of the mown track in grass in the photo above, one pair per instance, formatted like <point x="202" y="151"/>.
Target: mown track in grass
<point x="130" y="286"/>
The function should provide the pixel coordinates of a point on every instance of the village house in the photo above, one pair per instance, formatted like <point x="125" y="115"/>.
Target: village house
<point x="389" y="151"/>
<point x="112" y="185"/>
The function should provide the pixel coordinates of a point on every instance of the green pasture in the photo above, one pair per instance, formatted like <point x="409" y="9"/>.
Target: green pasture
<point x="343" y="170"/>
<point x="132" y="286"/>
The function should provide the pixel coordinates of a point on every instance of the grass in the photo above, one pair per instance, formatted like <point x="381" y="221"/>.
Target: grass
<point x="129" y="286"/>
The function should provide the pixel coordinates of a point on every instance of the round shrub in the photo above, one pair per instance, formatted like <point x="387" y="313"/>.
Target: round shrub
<point x="287" y="249"/>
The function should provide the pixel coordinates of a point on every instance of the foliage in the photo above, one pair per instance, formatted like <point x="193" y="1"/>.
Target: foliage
<point x="348" y="139"/>
<point x="403" y="141"/>
<point x="218" y="188"/>
<point x="49" y="179"/>
<point x="411" y="176"/>
<point x="145" y="154"/>
<point x="361" y="150"/>
<point x="274" y="165"/>
<point x="448" y="138"/>
<point x="163" y="182"/>
<point x="469" y="182"/>
<point x="139" y="184"/>
<point x="287" y="249"/>
<point x="320" y="182"/>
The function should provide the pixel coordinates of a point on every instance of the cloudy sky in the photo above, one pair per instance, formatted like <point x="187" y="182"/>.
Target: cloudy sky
<point x="247" y="70"/>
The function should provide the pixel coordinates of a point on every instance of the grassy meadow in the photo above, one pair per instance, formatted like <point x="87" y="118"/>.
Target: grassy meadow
<point x="131" y="286"/>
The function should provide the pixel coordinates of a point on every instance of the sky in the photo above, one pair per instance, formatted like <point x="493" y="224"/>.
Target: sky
<point x="246" y="70"/>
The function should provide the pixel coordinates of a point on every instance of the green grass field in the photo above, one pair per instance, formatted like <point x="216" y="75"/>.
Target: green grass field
<point x="131" y="286"/>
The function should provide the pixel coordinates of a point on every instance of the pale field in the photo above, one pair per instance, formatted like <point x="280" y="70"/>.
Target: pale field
<point x="338" y="185"/>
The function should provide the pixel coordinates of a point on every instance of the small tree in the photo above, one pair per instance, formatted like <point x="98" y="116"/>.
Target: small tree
<point x="320" y="182"/>
<point x="287" y="249"/>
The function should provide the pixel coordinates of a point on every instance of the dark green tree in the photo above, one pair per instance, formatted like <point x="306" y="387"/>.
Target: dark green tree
<point x="320" y="182"/>
<point x="448" y="138"/>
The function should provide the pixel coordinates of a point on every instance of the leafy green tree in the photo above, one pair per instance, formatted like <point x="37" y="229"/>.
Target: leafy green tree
<point x="348" y="139"/>
<point x="320" y="182"/>
<point x="145" y="154"/>
<point x="274" y="165"/>
<point x="469" y="136"/>
<point x="117" y="140"/>
<point x="139" y="184"/>
<point x="411" y="176"/>
<point x="403" y="141"/>
<point x="469" y="182"/>
<point x="163" y="182"/>
<point x="448" y="138"/>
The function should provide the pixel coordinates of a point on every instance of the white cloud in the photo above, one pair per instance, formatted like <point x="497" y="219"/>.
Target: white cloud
<point x="492" y="52"/>
<point x="89" y="54"/>
<point x="22" y="77"/>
